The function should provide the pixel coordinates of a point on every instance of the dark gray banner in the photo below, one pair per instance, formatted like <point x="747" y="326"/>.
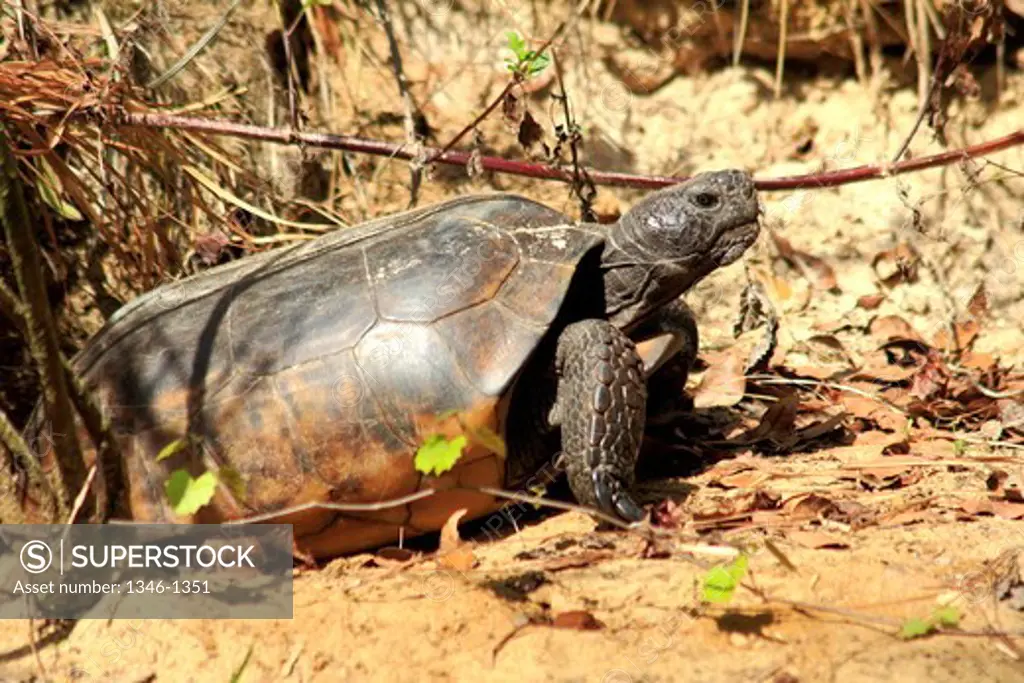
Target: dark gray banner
<point x="146" y="571"/>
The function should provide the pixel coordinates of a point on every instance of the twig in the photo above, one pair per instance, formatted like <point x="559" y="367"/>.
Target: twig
<point x="415" y="168"/>
<point x="96" y="423"/>
<point x="780" y="56"/>
<point x="80" y="498"/>
<point x="441" y="154"/>
<point x="335" y="507"/>
<point x="42" y="333"/>
<point x="353" y="143"/>
<point x="196" y="48"/>
<point x="10" y="512"/>
<point x="35" y="649"/>
<point x="580" y="179"/>
<point x="289" y="67"/>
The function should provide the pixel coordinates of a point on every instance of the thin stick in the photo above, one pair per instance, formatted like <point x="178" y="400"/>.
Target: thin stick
<point x="444" y="151"/>
<point x="80" y="498"/>
<point x="780" y="57"/>
<point x="96" y="423"/>
<point x="353" y="143"/>
<point x="335" y="507"/>
<point x="42" y="333"/>
<point x="415" y="168"/>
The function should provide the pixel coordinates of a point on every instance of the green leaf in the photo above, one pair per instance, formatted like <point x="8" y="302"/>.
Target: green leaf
<point x="942" y="616"/>
<point x="170" y="449"/>
<point x="527" y="62"/>
<point x="915" y="628"/>
<point x="720" y="582"/>
<point x="437" y="455"/>
<point x="947" y="616"/>
<point x="516" y="44"/>
<point x="489" y="439"/>
<point x="186" y="494"/>
<point x="51" y="191"/>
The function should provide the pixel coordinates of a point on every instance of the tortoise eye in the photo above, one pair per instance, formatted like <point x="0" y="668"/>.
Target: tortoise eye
<point x="706" y="200"/>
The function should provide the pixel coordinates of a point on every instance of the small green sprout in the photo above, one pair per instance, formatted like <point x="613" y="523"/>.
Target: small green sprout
<point x="438" y="454"/>
<point x="917" y="627"/>
<point x="527" y="62"/>
<point x="188" y="494"/>
<point x="720" y="582"/>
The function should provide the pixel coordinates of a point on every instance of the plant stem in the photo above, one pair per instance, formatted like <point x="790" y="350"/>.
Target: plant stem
<point x="70" y="471"/>
<point x="353" y="143"/>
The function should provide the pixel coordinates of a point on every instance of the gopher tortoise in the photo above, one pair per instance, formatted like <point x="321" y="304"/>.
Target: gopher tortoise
<point x="314" y="372"/>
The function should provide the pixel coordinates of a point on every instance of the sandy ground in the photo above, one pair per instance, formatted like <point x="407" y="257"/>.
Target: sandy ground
<point x="833" y="613"/>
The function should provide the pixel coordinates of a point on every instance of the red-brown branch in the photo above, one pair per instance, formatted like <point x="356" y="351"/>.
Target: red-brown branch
<point x="352" y="143"/>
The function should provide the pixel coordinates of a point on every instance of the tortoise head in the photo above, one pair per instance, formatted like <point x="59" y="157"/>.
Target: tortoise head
<point x="674" y="237"/>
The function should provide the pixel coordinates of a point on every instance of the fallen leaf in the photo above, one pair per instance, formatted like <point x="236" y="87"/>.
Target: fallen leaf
<point x="668" y="514"/>
<point x="887" y="328"/>
<point x="776" y="424"/>
<point x="1007" y="509"/>
<point x="579" y="620"/>
<point x="896" y="265"/>
<point x="724" y="383"/>
<point x="813" y="268"/>
<point x="453" y="552"/>
<point x="977" y="307"/>
<point x="808" y="506"/>
<point x="961" y="334"/>
<point x="870" y="302"/>
<point x="816" y="539"/>
<point x="743" y="480"/>
<point x="757" y="310"/>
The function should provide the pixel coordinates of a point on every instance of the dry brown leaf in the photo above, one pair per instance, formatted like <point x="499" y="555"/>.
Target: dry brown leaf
<point x="814" y="269"/>
<point x="668" y="514"/>
<point x="933" y="449"/>
<point x="778" y="289"/>
<point x="887" y="328"/>
<point x="896" y="265"/>
<point x="807" y="506"/>
<point x="906" y="517"/>
<point x="579" y="620"/>
<point x="453" y="552"/>
<point x="889" y="374"/>
<point x="870" y="302"/>
<point x="743" y="480"/>
<point x="964" y="331"/>
<point x="577" y="560"/>
<point x="724" y="383"/>
<point x="777" y="424"/>
<point x="978" y="361"/>
<point x="962" y="335"/>
<point x="530" y="132"/>
<point x="977" y="307"/>
<point x="1008" y="509"/>
<point x="816" y="539"/>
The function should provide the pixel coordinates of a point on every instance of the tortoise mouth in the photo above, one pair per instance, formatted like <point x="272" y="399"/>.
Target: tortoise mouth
<point x="736" y="240"/>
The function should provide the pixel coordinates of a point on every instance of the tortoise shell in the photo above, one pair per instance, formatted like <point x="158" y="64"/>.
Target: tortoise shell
<point x="316" y="371"/>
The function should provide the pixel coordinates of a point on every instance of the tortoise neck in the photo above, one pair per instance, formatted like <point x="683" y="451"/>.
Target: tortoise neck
<point x="637" y="282"/>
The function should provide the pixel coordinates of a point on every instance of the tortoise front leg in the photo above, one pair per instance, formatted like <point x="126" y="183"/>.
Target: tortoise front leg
<point x="600" y="406"/>
<point x="669" y="334"/>
<point x="667" y="342"/>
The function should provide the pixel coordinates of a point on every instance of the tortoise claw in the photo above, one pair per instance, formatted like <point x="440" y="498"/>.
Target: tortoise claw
<point x="613" y="500"/>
